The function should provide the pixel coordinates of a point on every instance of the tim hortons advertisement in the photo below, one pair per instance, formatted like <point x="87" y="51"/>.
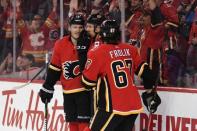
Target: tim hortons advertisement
<point x="22" y="110"/>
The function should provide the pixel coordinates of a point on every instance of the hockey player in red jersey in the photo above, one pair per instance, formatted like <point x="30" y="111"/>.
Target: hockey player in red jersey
<point x="110" y="70"/>
<point x="66" y="66"/>
<point x="93" y="28"/>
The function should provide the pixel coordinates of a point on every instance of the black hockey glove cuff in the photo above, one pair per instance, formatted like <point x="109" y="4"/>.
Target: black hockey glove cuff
<point x="151" y="101"/>
<point x="45" y="95"/>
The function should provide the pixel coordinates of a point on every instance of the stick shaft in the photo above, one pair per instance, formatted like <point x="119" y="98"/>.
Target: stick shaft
<point x="46" y="114"/>
<point x="24" y="85"/>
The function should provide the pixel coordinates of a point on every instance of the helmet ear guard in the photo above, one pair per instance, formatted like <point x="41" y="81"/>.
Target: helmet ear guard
<point x="110" y="31"/>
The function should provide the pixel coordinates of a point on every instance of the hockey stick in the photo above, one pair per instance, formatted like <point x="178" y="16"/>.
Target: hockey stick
<point x="45" y="116"/>
<point x="24" y="85"/>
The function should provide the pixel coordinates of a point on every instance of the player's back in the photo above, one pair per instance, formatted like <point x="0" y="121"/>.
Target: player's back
<point x="117" y="64"/>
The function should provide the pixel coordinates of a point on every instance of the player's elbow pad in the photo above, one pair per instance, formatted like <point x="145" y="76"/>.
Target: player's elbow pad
<point x="53" y="76"/>
<point x="88" y="84"/>
<point x="146" y="75"/>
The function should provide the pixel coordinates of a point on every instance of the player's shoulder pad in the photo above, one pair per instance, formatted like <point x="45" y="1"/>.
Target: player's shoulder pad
<point x="62" y="40"/>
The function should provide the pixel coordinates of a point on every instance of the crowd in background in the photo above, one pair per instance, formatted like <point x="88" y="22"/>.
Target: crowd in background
<point x="38" y="27"/>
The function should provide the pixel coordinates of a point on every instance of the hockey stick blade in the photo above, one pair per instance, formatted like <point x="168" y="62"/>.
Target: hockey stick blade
<point x="21" y="86"/>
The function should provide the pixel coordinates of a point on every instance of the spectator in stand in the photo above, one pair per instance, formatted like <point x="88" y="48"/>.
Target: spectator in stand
<point x="25" y="68"/>
<point x="171" y="21"/>
<point x="192" y="52"/>
<point x="73" y="7"/>
<point x="2" y="31"/>
<point x="134" y="22"/>
<point x="115" y="10"/>
<point x="28" y="69"/>
<point x="6" y="33"/>
<point x="96" y="6"/>
<point x="151" y="39"/>
<point x="27" y="62"/>
<point x="176" y="3"/>
<point x="186" y="15"/>
<point x="32" y="7"/>
<point x="6" y="65"/>
<point x="35" y="38"/>
<point x="170" y="42"/>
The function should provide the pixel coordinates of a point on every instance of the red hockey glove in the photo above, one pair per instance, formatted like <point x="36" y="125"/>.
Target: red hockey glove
<point x="151" y="100"/>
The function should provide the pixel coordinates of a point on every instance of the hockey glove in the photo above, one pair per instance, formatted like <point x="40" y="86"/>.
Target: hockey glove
<point x="151" y="101"/>
<point x="46" y="95"/>
<point x="83" y="44"/>
<point x="83" y="41"/>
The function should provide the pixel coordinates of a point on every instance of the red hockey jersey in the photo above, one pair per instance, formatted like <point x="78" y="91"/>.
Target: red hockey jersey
<point x="151" y="38"/>
<point x="113" y="67"/>
<point x="171" y="20"/>
<point x="134" y="25"/>
<point x="66" y="58"/>
<point x="170" y="13"/>
<point x="36" y="43"/>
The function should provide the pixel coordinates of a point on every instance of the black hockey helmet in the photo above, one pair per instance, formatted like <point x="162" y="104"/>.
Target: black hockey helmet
<point x="77" y="19"/>
<point x="95" y="19"/>
<point x="110" y="31"/>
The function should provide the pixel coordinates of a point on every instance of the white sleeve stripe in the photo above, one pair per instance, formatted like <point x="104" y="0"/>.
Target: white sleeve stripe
<point x="48" y="91"/>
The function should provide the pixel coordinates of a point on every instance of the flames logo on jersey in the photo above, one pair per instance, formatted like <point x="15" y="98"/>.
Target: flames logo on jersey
<point x="37" y="39"/>
<point x="54" y="35"/>
<point x="71" y="69"/>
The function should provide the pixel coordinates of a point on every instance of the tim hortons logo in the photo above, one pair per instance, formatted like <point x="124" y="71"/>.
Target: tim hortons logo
<point x="31" y="118"/>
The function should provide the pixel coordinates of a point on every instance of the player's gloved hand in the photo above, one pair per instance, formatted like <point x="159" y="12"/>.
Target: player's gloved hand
<point x="83" y="44"/>
<point x="46" y="95"/>
<point x="83" y="41"/>
<point x="151" y="100"/>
